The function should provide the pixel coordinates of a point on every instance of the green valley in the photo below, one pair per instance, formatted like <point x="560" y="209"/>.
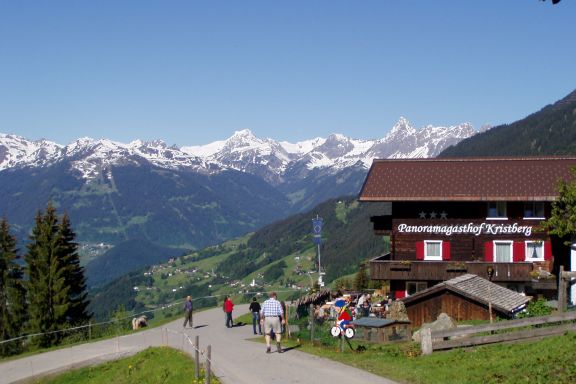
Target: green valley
<point x="280" y="256"/>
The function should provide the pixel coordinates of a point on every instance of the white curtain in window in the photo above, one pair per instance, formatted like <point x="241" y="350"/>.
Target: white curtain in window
<point x="502" y="252"/>
<point x="535" y="251"/>
<point x="433" y="249"/>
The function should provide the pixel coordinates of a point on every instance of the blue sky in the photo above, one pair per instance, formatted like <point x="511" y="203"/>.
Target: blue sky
<point x="192" y="72"/>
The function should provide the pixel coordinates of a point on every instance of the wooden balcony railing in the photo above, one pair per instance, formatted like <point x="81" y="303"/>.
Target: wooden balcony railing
<point x="445" y="270"/>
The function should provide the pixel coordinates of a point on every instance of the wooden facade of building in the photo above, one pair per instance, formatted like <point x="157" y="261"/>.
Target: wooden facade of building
<point x="463" y="298"/>
<point x="455" y="216"/>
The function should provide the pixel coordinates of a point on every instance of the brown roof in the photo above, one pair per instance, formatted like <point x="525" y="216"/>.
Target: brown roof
<point x="466" y="179"/>
<point x="479" y="290"/>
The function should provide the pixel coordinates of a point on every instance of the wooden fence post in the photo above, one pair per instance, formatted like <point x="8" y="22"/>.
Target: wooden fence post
<point x="197" y="357"/>
<point x="207" y="369"/>
<point x="286" y="326"/>
<point x="561" y="290"/>
<point x="312" y="320"/>
<point x="426" y="341"/>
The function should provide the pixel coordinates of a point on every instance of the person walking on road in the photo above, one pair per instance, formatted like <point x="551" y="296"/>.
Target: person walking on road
<point x="272" y="316"/>
<point x="188" y="308"/>
<point x="255" y="309"/>
<point x="228" y="308"/>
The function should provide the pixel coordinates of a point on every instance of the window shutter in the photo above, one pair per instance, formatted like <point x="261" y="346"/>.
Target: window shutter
<point x="518" y="252"/>
<point x="420" y="250"/>
<point x="488" y="251"/>
<point x="445" y="250"/>
<point x="547" y="250"/>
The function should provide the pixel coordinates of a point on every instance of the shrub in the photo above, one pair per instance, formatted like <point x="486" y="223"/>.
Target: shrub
<point x="536" y="308"/>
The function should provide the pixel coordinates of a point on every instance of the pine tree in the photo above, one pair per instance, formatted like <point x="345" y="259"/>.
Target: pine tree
<point x="12" y="292"/>
<point x="361" y="280"/>
<point x="562" y="221"/>
<point x="74" y="276"/>
<point x="47" y="290"/>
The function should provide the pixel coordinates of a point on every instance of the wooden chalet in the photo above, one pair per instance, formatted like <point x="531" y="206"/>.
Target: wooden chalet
<point x="480" y="216"/>
<point x="464" y="297"/>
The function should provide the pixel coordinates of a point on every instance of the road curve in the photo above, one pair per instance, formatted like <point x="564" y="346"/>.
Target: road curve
<point x="236" y="359"/>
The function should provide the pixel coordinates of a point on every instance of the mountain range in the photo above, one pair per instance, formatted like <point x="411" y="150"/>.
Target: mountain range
<point x="274" y="161"/>
<point x="188" y="197"/>
<point x="193" y="196"/>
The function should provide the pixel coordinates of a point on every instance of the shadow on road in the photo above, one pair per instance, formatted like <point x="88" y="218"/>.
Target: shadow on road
<point x="239" y="324"/>
<point x="290" y="348"/>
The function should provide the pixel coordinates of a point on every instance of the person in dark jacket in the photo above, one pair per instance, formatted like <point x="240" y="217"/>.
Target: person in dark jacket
<point x="188" y="308"/>
<point x="255" y="309"/>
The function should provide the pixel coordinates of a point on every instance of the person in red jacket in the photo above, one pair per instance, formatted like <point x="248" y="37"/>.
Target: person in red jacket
<point x="228" y="307"/>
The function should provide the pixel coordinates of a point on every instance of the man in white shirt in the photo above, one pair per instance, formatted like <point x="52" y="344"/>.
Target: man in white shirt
<point x="272" y="315"/>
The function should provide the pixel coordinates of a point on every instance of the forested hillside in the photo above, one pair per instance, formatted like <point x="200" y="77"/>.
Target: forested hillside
<point x="166" y="207"/>
<point x="347" y="239"/>
<point x="550" y="131"/>
<point x="126" y="257"/>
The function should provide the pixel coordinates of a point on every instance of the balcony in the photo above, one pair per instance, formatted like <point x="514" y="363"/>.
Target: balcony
<point x="445" y="270"/>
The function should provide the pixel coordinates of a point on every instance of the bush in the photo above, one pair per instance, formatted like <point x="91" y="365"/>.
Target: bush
<point x="536" y="308"/>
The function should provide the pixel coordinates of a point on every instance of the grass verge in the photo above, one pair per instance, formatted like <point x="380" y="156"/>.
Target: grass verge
<point x="550" y="360"/>
<point x="154" y="365"/>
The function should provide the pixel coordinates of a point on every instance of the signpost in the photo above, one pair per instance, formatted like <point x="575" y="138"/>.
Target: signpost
<point x="317" y="239"/>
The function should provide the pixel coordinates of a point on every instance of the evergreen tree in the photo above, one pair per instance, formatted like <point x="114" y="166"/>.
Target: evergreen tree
<point x="47" y="290"/>
<point x="361" y="280"/>
<point x="12" y="292"/>
<point x="562" y="221"/>
<point x="74" y="273"/>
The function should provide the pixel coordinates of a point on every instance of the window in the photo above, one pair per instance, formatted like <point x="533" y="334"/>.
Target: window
<point x="534" y="210"/>
<point x="534" y="251"/>
<point x="413" y="287"/>
<point x="432" y="250"/>
<point x="503" y="251"/>
<point x="497" y="210"/>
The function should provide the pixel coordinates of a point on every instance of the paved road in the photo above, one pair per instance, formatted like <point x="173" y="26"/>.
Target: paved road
<point x="235" y="358"/>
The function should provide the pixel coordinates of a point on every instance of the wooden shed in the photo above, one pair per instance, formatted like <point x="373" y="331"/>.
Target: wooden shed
<point x="466" y="297"/>
<point x="376" y="330"/>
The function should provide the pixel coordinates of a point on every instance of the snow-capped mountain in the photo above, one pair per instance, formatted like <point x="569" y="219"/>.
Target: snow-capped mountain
<point x="245" y="152"/>
<point x="274" y="160"/>
<point x="16" y="151"/>
<point x="266" y="158"/>
<point x="89" y="156"/>
<point x="404" y="141"/>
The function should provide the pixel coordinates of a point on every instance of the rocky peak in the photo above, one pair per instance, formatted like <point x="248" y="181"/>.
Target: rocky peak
<point x="401" y="129"/>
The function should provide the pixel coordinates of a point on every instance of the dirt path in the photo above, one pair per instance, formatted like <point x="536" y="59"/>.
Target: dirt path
<point x="235" y="358"/>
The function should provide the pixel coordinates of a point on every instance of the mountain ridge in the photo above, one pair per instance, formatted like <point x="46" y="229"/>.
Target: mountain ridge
<point x="243" y="151"/>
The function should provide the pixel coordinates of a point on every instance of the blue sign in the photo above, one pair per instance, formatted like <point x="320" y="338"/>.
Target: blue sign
<point x="317" y="230"/>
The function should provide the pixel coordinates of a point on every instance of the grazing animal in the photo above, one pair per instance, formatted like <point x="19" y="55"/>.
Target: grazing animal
<point x="139" y="322"/>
